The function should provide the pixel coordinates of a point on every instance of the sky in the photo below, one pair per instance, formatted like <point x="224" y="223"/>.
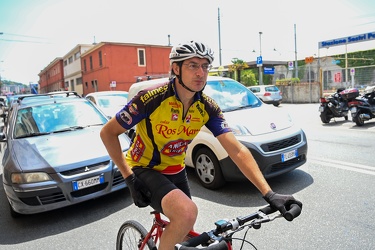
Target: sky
<point x="34" y="32"/>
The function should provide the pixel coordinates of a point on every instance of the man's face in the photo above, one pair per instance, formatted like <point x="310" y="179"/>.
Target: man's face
<point x="194" y="72"/>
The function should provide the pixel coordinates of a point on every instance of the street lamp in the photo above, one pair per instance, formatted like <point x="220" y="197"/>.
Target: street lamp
<point x="260" y="54"/>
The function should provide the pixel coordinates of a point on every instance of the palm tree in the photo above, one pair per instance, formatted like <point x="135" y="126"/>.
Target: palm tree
<point x="236" y="67"/>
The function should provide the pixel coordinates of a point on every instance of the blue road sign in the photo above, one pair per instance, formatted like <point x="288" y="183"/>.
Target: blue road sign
<point x="259" y="61"/>
<point x="269" y="71"/>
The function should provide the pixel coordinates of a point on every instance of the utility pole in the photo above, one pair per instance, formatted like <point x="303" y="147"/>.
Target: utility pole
<point x="218" y="20"/>
<point x="260" y="54"/>
<point x="295" y="51"/>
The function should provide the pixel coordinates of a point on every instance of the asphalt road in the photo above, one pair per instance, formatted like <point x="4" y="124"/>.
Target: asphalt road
<point x="336" y="186"/>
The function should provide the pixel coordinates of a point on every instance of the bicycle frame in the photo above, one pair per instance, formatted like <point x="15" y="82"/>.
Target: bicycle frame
<point x="157" y="229"/>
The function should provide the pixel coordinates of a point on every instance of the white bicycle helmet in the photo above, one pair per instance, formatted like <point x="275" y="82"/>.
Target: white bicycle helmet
<point x="192" y="49"/>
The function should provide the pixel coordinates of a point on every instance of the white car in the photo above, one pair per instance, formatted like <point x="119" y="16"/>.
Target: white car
<point x="276" y="143"/>
<point x="269" y="94"/>
<point x="110" y="102"/>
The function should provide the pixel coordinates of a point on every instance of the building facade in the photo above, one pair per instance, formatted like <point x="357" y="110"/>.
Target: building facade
<point x="72" y="68"/>
<point x="51" y="78"/>
<point x="115" y="66"/>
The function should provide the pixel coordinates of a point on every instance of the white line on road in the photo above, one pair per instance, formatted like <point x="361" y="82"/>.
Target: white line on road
<point x="345" y="165"/>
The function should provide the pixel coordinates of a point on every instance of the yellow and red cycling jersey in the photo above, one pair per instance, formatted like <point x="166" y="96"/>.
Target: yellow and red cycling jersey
<point x="163" y="133"/>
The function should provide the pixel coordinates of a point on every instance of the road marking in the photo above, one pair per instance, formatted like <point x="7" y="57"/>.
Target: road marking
<point x="345" y="165"/>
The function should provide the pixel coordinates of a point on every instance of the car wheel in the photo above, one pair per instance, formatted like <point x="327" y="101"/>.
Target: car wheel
<point x="208" y="169"/>
<point x="276" y="104"/>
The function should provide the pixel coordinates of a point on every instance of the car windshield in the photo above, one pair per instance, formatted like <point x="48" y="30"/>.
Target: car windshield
<point x="231" y="95"/>
<point x="107" y="101"/>
<point x="56" y="117"/>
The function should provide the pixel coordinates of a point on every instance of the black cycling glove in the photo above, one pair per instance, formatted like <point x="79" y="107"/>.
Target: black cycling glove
<point x="281" y="202"/>
<point x="139" y="192"/>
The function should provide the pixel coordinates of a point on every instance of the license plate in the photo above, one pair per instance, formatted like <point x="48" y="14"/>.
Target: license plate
<point x="289" y="155"/>
<point x="89" y="182"/>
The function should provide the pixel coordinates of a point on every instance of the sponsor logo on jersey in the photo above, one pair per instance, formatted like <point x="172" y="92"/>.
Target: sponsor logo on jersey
<point x="167" y="132"/>
<point x="133" y="109"/>
<point x="138" y="149"/>
<point x="177" y="147"/>
<point x="151" y="93"/>
<point x="126" y="117"/>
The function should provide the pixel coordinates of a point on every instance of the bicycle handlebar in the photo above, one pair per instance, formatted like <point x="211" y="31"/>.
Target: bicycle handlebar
<point x="225" y="225"/>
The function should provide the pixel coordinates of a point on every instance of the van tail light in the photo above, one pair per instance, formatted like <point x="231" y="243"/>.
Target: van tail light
<point x="281" y="93"/>
<point x="267" y="94"/>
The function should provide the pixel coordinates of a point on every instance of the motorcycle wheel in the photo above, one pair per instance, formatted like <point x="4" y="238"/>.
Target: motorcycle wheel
<point x="324" y="117"/>
<point x="346" y="118"/>
<point x="357" y="119"/>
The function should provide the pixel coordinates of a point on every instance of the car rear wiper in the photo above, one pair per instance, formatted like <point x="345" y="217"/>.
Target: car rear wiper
<point x="32" y="134"/>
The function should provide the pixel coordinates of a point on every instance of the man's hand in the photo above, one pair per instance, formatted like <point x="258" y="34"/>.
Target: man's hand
<point x="139" y="192"/>
<point x="281" y="202"/>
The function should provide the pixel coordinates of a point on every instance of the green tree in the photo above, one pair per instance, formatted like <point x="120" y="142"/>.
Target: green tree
<point x="236" y="67"/>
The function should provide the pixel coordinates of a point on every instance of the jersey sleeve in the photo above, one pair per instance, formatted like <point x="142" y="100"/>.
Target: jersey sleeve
<point x="132" y="113"/>
<point x="216" y="122"/>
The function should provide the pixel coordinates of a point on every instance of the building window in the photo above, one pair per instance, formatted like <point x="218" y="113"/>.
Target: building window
<point x="91" y="62"/>
<point x="84" y="65"/>
<point x="141" y="57"/>
<point x="77" y="55"/>
<point x="70" y="59"/>
<point x="65" y="63"/>
<point x="100" y="59"/>
<point x="79" y="80"/>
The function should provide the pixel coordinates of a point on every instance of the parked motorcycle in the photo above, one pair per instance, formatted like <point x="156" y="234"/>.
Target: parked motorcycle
<point x="336" y="105"/>
<point x="362" y="108"/>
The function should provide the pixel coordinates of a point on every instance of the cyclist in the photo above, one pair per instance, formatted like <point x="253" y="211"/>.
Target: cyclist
<point x="168" y="117"/>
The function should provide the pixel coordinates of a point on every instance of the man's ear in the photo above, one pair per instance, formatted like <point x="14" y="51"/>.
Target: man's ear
<point x="176" y="69"/>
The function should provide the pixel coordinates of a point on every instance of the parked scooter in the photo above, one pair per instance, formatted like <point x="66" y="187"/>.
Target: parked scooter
<point x="336" y="105"/>
<point x="362" y="108"/>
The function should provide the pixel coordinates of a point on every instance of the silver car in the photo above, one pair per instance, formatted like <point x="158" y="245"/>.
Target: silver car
<point x="53" y="155"/>
<point x="277" y="144"/>
<point x="269" y="94"/>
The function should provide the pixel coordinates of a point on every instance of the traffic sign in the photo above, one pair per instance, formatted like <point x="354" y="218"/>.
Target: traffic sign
<point x="269" y="71"/>
<point x="352" y="71"/>
<point x="259" y="61"/>
<point x="290" y="65"/>
<point x="309" y="59"/>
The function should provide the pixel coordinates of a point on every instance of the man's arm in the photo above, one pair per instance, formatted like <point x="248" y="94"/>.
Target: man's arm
<point x="109" y="135"/>
<point x="242" y="157"/>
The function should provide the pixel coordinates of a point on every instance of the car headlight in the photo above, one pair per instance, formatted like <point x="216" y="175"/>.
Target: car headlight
<point x="22" y="178"/>
<point x="239" y="130"/>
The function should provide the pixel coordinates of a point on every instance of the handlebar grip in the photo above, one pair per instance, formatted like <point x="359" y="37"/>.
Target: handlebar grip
<point x="222" y="245"/>
<point x="195" y="241"/>
<point x="268" y="210"/>
<point x="293" y="212"/>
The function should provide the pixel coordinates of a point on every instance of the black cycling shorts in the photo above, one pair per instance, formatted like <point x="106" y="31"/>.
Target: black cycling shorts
<point x="160" y="184"/>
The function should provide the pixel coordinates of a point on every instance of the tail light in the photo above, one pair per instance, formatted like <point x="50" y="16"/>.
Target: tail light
<point x="354" y="103"/>
<point x="323" y="100"/>
<point x="267" y="94"/>
<point x="281" y="93"/>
